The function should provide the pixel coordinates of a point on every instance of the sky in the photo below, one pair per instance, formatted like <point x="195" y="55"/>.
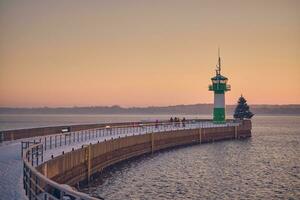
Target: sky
<point x="147" y="53"/>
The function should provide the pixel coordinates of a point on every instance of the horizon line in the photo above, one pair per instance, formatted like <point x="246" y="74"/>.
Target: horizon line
<point x="128" y="107"/>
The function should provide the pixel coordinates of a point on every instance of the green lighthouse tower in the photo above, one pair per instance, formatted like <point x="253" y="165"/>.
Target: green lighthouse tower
<point x="219" y="86"/>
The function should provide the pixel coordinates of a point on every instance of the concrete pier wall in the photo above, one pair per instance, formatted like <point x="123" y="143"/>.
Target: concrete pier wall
<point x="80" y="164"/>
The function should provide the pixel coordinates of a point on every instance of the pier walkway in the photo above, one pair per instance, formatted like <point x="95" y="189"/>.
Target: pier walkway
<point x="54" y="145"/>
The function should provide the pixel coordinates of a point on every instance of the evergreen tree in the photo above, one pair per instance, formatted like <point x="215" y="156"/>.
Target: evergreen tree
<point x="242" y="110"/>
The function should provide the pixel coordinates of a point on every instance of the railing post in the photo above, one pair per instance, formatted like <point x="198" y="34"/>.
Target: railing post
<point x="235" y="132"/>
<point x="36" y="185"/>
<point x="42" y="149"/>
<point x="37" y="155"/>
<point x="32" y="153"/>
<point x="21" y="149"/>
<point x="200" y="135"/>
<point x="29" y="191"/>
<point x="50" y="142"/>
<point x="27" y="155"/>
<point x="88" y="160"/>
<point x="45" y="143"/>
<point x="152" y="142"/>
<point x="25" y="178"/>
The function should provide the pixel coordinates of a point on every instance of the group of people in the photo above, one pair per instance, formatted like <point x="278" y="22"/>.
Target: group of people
<point x="177" y="121"/>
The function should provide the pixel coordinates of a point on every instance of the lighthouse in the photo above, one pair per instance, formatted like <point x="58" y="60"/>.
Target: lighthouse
<point x="219" y="86"/>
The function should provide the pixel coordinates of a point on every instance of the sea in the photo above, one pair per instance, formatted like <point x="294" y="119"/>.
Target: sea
<point x="265" y="166"/>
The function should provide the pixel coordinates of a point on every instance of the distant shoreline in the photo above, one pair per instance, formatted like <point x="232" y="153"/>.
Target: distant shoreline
<point x="195" y="109"/>
<point x="141" y="114"/>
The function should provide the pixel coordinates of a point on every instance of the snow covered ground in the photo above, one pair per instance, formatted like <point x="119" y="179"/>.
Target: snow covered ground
<point x="11" y="186"/>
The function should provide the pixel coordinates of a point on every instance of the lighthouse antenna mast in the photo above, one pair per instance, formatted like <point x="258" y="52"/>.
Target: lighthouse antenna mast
<point x="219" y="63"/>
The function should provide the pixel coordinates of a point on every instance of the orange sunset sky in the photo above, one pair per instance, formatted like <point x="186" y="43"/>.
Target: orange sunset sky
<point x="141" y="53"/>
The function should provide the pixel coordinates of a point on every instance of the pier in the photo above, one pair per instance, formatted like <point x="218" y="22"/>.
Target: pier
<point x="55" y="164"/>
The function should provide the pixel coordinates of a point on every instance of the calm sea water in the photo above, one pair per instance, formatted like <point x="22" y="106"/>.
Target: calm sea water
<point x="267" y="166"/>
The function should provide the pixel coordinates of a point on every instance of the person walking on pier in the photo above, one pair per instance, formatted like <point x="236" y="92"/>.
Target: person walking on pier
<point x="183" y="122"/>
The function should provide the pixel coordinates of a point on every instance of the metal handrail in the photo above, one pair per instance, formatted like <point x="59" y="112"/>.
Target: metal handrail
<point x="63" y="139"/>
<point x="36" y="191"/>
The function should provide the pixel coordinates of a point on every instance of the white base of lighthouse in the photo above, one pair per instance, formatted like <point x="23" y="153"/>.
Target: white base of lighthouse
<point x="219" y="108"/>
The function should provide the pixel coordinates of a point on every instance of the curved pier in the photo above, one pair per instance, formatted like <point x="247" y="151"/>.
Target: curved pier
<point x="51" y="179"/>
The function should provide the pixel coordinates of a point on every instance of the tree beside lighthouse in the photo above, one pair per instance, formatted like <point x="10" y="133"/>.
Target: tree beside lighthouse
<point x="242" y="110"/>
<point x="219" y="86"/>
